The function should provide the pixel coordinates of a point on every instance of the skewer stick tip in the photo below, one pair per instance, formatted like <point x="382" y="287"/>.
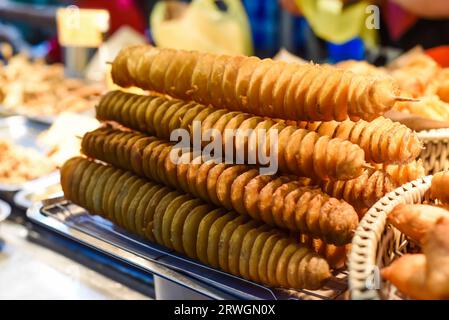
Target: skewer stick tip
<point x="367" y="166"/>
<point x="403" y="99"/>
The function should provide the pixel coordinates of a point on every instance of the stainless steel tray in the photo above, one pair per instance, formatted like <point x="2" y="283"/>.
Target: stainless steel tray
<point x="22" y="132"/>
<point x="74" y="222"/>
<point x="22" y="197"/>
<point x="5" y="210"/>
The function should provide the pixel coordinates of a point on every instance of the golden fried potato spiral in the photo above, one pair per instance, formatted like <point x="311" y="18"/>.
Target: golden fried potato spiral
<point x="401" y="174"/>
<point x="362" y="191"/>
<point x="299" y="151"/>
<point x="383" y="140"/>
<point x="336" y="256"/>
<point x="216" y="237"/>
<point x="279" y="201"/>
<point x="262" y="87"/>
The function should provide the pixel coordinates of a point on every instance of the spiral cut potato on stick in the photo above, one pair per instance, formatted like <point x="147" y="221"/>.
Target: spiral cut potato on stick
<point x="263" y="87"/>
<point x="299" y="151"/>
<point x="401" y="174"/>
<point x="217" y="237"/>
<point x="362" y="191"/>
<point x="336" y="256"/>
<point x="280" y="201"/>
<point x="383" y="140"/>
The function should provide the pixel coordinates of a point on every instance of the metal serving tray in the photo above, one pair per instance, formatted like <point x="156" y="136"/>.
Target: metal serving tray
<point x="22" y="198"/>
<point x="22" y="132"/>
<point x="5" y="210"/>
<point x="74" y="222"/>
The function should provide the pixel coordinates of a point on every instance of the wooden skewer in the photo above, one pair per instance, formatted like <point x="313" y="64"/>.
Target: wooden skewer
<point x="367" y="166"/>
<point x="402" y="99"/>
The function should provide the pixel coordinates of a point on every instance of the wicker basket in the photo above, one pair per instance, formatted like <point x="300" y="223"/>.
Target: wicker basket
<point x="376" y="244"/>
<point x="435" y="154"/>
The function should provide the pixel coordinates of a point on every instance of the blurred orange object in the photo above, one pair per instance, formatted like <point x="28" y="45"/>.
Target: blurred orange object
<point x="440" y="54"/>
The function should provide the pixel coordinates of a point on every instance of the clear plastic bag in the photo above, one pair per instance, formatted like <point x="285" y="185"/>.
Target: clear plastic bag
<point x="203" y="26"/>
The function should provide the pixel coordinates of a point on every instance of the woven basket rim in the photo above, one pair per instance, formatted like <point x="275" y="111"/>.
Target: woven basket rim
<point x="434" y="134"/>
<point x="363" y="255"/>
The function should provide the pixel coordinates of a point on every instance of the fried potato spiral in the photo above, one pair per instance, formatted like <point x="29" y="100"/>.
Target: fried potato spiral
<point x="336" y="256"/>
<point x="362" y="191"/>
<point x="262" y="87"/>
<point x="383" y="140"/>
<point x="219" y="238"/>
<point x="299" y="151"/>
<point x="277" y="200"/>
<point x="401" y="174"/>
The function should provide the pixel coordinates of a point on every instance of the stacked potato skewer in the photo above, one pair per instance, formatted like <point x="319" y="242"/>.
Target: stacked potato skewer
<point x="275" y="229"/>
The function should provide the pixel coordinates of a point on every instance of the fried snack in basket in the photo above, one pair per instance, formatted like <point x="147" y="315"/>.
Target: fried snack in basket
<point x="415" y="221"/>
<point x="299" y="151"/>
<point x="408" y="274"/>
<point x="383" y="140"/>
<point x="443" y="85"/>
<point x="403" y="173"/>
<point x="424" y="276"/>
<point x="439" y="188"/>
<point x="436" y="250"/>
<point x="279" y="201"/>
<point x="200" y="221"/>
<point x="263" y="87"/>
<point x="429" y="106"/>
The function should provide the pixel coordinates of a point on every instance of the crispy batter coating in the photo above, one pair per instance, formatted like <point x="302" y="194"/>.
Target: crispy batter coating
<point x="436" y="250"/>
<point x="362" y="191"/>
<point x="424" y="276"/>
<point x="415" y="221"/>
<point x="403" y="173"/>
<point x="336" y="256"/>
<point x="408" y="274"/>
<point x="383" y="140"/>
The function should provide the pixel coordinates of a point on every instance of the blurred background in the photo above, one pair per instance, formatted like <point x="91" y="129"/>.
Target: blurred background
<point x="318" y="30"/>
<point x="55" y="65"/>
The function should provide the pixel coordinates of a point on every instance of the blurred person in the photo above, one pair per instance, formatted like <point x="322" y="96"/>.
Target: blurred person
<point x="415" y="22"/>
<point x="404" y="23"/>
<point x="264" y="17"/>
